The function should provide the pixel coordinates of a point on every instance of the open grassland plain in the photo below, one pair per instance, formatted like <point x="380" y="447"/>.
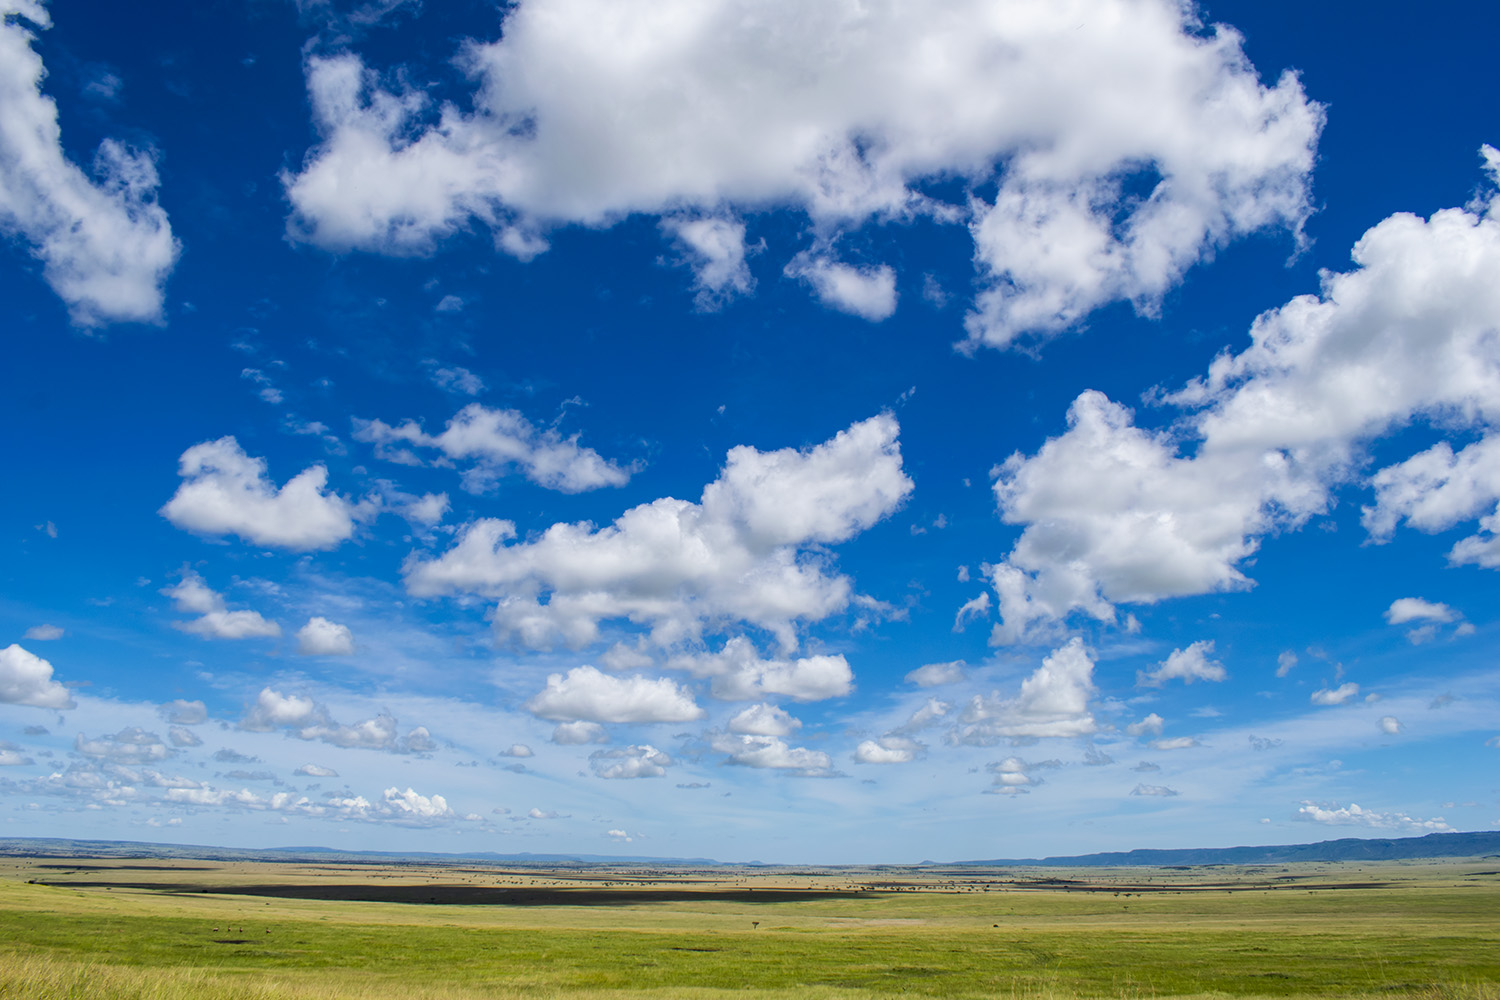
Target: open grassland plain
<point x="116" y="928"/>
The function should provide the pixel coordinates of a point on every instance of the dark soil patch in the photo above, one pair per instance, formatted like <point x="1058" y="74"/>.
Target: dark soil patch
<point x="132" y="868"/>
<point x="477" y="895"/>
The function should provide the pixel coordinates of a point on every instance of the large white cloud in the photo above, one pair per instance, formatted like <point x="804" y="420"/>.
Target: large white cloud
<point x="26" y="679"/>
<point x="589" y="695"/>
<point x="740" y="554"/>
<point x="105" y="245"/>
<point x="227" y="492"/>
<point x="1115" y="513"/>
<point x="494" y="441"/>
<point x="1127" y="142"/>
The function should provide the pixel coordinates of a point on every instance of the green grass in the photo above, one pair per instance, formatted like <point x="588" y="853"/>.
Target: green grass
<point x="1431" y="938"/>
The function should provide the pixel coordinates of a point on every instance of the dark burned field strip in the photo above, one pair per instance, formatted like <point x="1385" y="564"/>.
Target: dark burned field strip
<point x="1052" y="885"/>
<point x="130" y="868"/>
<point x="477" y="895"/>
<point x="451" y="894"/>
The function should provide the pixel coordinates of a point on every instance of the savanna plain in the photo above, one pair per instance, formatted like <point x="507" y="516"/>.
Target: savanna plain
<point x="156" y="928"/>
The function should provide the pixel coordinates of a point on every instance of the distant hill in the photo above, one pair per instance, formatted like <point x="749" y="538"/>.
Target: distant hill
<point x="1434" y="845"/>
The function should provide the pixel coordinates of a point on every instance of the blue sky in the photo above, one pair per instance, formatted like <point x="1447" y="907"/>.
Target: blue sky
<point x="749" y="430"/>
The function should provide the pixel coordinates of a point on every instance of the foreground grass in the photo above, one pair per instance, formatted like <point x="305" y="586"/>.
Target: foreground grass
<point x="49" y="979"/>
<point x="1436" y="937"/>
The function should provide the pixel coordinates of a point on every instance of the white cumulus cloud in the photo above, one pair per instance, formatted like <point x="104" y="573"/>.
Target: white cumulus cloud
<point x="740" y="674"/>
<point x="105" y="245"/>
<point x="1113" y="513"/>
<point x="764" y="720"/>
<point x="678" y="566"/>
<point x="1414" y="609"/>
<point x="937" y="674"/>
<point x="227" y="492"/>
<point x="1053" y="702"/>
<point x="573" y="734"/>
<point x="1354" y="815"/>
<point x="495" y="442"/>
<point x="1187" y="665"/>
<point x="771" y="752"/>
<point x="630" y="762"/>
<point x="131" y="745"/>
<point x="215" y="620"/>
<point x="307" y="719"/>
<point x="866" y="292"/>
<point x="585" y="112"/>
<point x="409" y="804"/>
<point x="26" y="679"/>
<point x="715" y="250"/>
<point x="321" y="637"/>
<point x="1336" y="696"/>
<point x="887" y="750"/>
<point x="590" y="695"/>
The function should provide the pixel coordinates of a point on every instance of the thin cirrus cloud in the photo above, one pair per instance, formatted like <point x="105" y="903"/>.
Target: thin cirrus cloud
<point x="588" y="111"/>
<point x="105" y="245"/>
